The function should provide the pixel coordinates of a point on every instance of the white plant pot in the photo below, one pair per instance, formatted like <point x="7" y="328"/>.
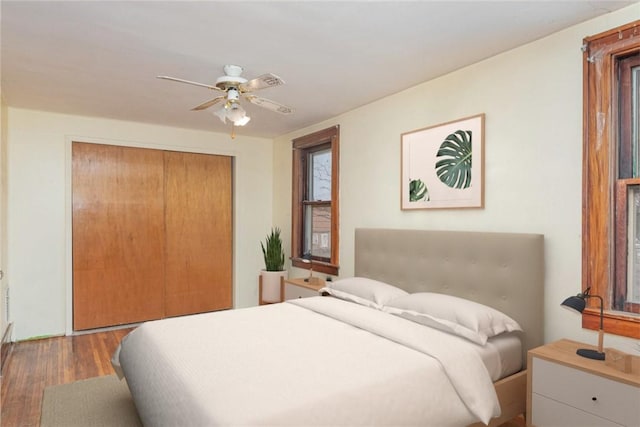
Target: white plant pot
<point x="271" y="285"/>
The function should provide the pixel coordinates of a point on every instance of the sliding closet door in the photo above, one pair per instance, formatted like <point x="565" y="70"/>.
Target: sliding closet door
<point x="118" y="235"/>
<point x="198" y="213"/>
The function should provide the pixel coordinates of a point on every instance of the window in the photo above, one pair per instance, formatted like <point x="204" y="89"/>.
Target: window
<point x="611" y="178"/>
<point x="314" y="235"/>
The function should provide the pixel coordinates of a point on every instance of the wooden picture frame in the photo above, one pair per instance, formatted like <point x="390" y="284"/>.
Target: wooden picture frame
<point x="443" y="165"/>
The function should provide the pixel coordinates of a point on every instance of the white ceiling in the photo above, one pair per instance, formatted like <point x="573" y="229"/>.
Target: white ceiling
<point x="101" y="58"/>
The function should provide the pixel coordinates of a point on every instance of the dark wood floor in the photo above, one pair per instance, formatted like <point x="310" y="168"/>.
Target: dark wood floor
<point x="34" y="365"/>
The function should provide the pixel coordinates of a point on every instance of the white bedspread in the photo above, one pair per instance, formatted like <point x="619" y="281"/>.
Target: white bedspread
<point x="312" y="361"/>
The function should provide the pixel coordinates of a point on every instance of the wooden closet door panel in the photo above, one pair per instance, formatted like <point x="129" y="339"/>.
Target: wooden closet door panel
<point x="198" y="217"/>
<point x="118" y="235"/>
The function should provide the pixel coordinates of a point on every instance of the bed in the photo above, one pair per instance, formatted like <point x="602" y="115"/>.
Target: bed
<point x="355" y="360"/>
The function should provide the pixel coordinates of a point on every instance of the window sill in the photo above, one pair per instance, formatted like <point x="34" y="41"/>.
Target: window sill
<point x="614" y="323"/>
<point x="321" y="267"/>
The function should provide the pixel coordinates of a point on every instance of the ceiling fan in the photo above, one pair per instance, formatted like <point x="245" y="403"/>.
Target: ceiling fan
<point x="232" y="86"/>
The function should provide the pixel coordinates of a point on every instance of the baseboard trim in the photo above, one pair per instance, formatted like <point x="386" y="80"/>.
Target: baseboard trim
<point x="5" y="347"/>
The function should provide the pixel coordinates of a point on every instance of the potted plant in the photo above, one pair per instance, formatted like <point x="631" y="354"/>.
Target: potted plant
<point x="274" y="267"/>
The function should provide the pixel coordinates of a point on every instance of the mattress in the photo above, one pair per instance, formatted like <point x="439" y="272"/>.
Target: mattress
<point x="502" y="355"/>
<point x="313" y="361"/>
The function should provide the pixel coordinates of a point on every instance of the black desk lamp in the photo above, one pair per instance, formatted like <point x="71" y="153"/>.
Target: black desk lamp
<point x="311" y="279"/>
<point x="578" y="304"/>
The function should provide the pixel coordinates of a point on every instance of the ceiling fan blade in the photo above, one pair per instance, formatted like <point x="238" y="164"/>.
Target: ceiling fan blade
<point x="269" y="105"/>
<point x="261" y="82"/>
<point x="208" y="104"/>
<point x="189" y="82"/>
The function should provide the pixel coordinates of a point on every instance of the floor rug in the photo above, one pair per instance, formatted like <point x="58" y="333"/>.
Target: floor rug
<point x="96" y="402"/>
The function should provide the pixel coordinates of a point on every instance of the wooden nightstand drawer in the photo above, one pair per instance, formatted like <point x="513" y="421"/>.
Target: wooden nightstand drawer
<point x="293" y="292"/>
<point x="552" y="413"/>
<point x="299" y="288"/>
<point x="593" y="394"/>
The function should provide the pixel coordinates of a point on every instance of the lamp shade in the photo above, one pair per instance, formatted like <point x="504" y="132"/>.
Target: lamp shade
<point x="243" y="121"/>
<point x="574" y="303"/>
<point x="222" y="114"/>
<point x="233" y="112"/>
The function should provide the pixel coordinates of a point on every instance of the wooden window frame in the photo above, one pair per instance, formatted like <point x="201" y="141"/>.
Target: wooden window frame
<point x="600" y="167"/>
<point x="301" y="147"/>
<point x="621" y="227"/>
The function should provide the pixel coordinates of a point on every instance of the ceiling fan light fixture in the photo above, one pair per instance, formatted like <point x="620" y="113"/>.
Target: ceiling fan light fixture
<point x="233" y="112"/>
<point x="221" y="113"/>
<point x="243" y="121"/>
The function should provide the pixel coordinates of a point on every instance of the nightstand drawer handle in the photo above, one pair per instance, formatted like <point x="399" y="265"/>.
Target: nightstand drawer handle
<point x="594" y="398"/>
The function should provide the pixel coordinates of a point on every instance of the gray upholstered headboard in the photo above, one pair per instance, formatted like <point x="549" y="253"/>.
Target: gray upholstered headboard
<point x="501" y="270"/>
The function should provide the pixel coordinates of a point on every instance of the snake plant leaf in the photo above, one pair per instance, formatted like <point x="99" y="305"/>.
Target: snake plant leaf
<point x="418" y="191"/>
<point x="454" y="166"/>
<point x="273" y="251"/>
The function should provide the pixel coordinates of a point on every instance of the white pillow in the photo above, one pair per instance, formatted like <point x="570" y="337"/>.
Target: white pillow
<point x="440" y="324"/>
<point x="361" y="290"/>
<point x="471" y="320"/>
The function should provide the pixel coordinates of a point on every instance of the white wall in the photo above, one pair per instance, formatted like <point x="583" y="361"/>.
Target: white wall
<point x="39" y="206"/>
<point x="532" y="98"/>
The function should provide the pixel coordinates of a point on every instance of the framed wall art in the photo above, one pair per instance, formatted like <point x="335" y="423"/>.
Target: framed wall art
<point x="443" y="165"/>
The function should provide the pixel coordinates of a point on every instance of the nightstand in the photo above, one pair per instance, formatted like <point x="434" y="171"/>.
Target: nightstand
<point x="298" y="288"/>
<point x="564" y="389"/>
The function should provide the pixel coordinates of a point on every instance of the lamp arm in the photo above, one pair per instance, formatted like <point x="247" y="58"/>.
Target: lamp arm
<point x="601" y="330"/>
<point x="601" y="311"/>
<point x="601" y="308"/>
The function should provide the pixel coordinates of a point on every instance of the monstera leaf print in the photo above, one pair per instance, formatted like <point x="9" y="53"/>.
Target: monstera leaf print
<point x="454" y="166"/>
<point x="417" y="191"/>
